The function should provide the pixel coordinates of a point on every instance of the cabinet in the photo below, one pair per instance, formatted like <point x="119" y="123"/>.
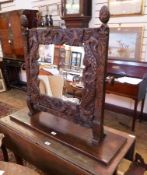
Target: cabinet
<point x="12" y="36"/>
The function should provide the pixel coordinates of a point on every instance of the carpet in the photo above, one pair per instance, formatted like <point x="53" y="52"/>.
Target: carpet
<point x="25" y="163"/>
<point x="6" y="109"/>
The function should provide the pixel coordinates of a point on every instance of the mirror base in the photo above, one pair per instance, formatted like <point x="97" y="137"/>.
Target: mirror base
<point x="72" y="135"/>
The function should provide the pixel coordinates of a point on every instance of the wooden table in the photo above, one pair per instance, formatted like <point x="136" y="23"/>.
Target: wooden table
<point x="14" y="169"/>
<point x="41" y="149"/>
<point x="136" y="92"/>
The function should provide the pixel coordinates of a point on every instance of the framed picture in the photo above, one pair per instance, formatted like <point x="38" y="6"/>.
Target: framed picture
<point x="5" y="1"/>
<point x="46" y="53"/>
<point x="125" y="43"/>
<point x="49" y="9"/>
<point x="76" y="59"/>
<point x="121" y="7"/>
<point x="54" y="9"/>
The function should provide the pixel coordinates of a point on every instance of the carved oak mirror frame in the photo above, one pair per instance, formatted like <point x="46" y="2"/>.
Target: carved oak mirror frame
<point x="89" y="112"/>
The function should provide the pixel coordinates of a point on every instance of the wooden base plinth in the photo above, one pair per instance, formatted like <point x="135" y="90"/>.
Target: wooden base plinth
<point x="74" y="136"/>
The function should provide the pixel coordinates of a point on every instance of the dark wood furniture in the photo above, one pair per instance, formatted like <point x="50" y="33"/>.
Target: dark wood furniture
<point x="76" y="13"/>
<point x="137" y="92"/>
<point x="3" y="148"/>
<point x="45" y="150"/>
<point x="11" y="72"/>
<point x="12" y="168"/>
<point x="61" y="136"/>
<point x="89" y="112"/>
<point x="12" y="36"/>
<point x="134" y="69"/>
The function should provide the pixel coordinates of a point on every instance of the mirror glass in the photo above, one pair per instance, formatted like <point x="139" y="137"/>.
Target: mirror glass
<point x="60" y="71"/>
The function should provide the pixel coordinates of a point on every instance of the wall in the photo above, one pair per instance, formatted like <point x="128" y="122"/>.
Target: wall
<point x="128" y="21"/>
<point x="140" y="20"/>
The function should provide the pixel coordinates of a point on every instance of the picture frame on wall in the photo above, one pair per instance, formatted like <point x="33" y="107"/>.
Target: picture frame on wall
<point x="125" y="43"/>
<point x="120" y="7"/>
<point x="76" y="59"/>
<point x="5" y="1"/>
<point x="54" y="9"/>
<point x="46" y="53"/>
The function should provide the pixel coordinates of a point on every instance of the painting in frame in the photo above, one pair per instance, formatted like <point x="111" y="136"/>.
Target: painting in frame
<point x="125" y="43"/>
<point x="76" y="59"/>
<point x="54" y="9"/>
<point x="5" y="1"/>
<point x="120" y="7"/>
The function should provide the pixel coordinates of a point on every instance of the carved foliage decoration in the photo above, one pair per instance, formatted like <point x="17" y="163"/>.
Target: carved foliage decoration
<point x="95" y="42"/>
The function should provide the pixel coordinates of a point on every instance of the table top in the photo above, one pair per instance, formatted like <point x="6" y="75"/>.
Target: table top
<point x="13" y="168"/>
<point x="56" y="153"/>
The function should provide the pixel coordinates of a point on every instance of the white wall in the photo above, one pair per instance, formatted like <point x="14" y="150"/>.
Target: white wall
<point x="129" y="21"/>
<point x="140" y="20"/>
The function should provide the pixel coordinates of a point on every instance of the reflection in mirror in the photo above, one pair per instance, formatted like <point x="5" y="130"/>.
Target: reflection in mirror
<point x="60" y="71"/>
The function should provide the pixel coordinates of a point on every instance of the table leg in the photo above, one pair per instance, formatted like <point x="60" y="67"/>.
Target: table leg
<point x="141" y="112"/>
<point x="134" y="115"/>
<point x="115" y="173"/>
<point x="19" y="160"/>
<point x="130" y="153"/>
<point x="5" y="153"/>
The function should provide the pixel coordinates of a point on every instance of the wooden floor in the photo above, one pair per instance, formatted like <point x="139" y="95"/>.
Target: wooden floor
<point x="17" y="98"/>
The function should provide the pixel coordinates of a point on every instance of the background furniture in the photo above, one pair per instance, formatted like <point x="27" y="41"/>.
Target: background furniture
<point x="12" y="36"/>
<point x="76" y="13"/>
<point x="136" y="92"/>
<point x="117" y="68"/>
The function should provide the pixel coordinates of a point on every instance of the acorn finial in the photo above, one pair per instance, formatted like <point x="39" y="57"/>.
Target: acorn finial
<point x="104" y="14"/>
